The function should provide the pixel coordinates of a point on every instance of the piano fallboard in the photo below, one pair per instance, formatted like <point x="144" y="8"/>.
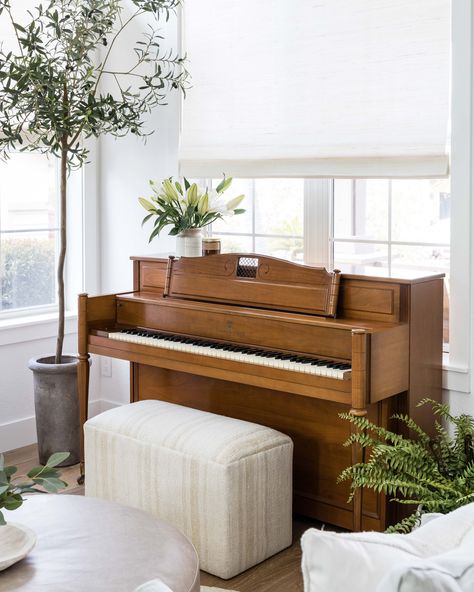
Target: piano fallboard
<point x="273" y="330"/>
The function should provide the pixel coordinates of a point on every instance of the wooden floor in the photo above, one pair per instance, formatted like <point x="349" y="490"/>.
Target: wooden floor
<point x="281" y="573"/>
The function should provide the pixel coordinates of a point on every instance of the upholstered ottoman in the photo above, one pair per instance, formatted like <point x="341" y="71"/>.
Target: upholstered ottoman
<point x="224" y="483"/>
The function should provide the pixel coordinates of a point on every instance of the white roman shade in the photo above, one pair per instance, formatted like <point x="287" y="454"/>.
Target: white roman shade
<point x="316" y="88"/>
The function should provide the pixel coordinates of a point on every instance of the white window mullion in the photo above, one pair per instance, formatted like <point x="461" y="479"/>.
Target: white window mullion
<point x="317" y="221"/>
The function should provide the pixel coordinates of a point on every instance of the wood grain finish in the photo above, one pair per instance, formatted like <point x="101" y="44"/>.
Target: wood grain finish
<point x="255" y="280"/>
<point x="313" y="424"/>
<point x="390" y="330"/>
<point x="362" y="299"/>
<point x="83" y="369"/>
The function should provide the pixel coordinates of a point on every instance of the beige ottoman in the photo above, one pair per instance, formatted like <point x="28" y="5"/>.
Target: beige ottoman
<point x="225" y="483"/>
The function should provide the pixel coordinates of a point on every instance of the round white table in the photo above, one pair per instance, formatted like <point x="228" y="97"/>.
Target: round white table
<point x="87" y="545"/>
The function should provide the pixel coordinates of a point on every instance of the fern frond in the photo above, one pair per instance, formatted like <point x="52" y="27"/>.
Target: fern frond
<point x="438" y="408"/>
<point x="436" y="473"/>
<point x="406" y="525"/>
<point x="412" y="425"/>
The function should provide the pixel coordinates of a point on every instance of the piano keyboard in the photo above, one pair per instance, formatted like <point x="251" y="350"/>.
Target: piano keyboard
<point x="236" y="353"/>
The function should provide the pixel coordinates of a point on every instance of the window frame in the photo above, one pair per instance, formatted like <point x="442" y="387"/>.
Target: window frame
<point x="252" y="235"/>
<point x="82" y="268"/>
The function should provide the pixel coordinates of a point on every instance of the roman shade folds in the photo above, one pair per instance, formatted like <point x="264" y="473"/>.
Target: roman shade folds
<point x="316" y="88"/>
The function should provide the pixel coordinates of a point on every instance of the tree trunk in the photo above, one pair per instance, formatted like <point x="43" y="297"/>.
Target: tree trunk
<point x="62" y="251"/>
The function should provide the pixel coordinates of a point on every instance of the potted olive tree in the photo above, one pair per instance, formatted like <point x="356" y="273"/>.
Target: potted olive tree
<point x="51" y="100"/>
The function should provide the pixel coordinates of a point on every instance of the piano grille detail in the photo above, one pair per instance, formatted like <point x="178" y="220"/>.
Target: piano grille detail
<point x="247" y="267"/>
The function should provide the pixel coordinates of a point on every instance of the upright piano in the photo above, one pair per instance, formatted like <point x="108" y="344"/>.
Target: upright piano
<point x="281" y="344"/>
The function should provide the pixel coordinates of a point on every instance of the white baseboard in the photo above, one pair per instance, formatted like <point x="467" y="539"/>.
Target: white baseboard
<point x="95" y="407"/>
<point x="106" y="404"/>
<point x="16" y="434"/>
<point x="22" y="432"/>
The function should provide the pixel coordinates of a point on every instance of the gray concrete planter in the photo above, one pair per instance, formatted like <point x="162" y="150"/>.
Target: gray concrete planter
<point x="56" y="407"/>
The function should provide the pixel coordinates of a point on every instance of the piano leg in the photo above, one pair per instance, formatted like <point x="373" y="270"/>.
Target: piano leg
<point x="83" y="377"/>
<point x="360" y="398"/>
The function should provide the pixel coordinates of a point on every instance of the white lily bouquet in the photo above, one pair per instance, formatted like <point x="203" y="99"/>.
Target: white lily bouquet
<point x="185" y="206"/>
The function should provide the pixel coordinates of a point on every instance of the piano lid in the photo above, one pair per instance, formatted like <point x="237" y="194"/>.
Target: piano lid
<point x="254" y="280"/>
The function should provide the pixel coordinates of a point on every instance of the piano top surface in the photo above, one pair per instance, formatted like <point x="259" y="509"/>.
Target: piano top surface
<point x="294" y="317"/>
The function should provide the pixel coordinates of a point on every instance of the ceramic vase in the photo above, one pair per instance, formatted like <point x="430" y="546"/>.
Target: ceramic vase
<point x="189" y="243"/>
<point x="56" y="407"/>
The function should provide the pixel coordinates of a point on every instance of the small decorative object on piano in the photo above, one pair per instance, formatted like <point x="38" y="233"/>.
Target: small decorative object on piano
<point x="211" y="246"/>
<point x="186" y="207"/>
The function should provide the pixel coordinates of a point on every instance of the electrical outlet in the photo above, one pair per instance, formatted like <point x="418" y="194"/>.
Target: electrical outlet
<point x="106" y="366"/>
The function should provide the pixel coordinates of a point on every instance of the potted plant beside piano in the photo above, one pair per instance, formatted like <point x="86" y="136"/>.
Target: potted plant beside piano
<point x="51" y="100"/>
<point x="428" y="475"/>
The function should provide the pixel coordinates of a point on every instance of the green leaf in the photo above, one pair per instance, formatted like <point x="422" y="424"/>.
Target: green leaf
<point x="3" y="488"/>
<point x="2" y="462"/>
<point x="51" y="484"/>
<point x="154" y="234"/>
<point x="9" y="471"/>
<point x="12" y="502"/>
<point x="35" y="471"/>
<point x="146" y="218"/>
<point x="57" y="458"/>
<point x="2" y="519"/>
<point x="224" y="184"/>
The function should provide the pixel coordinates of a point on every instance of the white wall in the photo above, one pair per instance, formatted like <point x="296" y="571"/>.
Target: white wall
<point x="18" y="344"/>
<point x="126" y="166"/>
<point x="459" y="380"/>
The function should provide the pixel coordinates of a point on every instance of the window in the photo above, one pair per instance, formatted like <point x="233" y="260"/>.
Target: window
<point x="372" y="226"/>
<point x="390" y="227"/>
<point x="272" y="223"/>
<point x="28" y="233"/>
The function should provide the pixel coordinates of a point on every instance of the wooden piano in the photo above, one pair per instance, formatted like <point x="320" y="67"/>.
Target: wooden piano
<point x="280" y="344"/>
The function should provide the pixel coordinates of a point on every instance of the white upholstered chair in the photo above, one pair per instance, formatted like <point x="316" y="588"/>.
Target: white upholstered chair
<point x="437" y="557"/>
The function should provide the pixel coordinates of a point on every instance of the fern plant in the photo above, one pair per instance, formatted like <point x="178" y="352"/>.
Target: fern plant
<point x="434" y="474"/>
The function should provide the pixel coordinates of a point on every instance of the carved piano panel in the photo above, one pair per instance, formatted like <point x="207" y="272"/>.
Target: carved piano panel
<point x="264" y="362"/>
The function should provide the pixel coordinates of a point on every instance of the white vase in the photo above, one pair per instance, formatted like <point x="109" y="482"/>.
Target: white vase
<point x="189" y="243"/>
